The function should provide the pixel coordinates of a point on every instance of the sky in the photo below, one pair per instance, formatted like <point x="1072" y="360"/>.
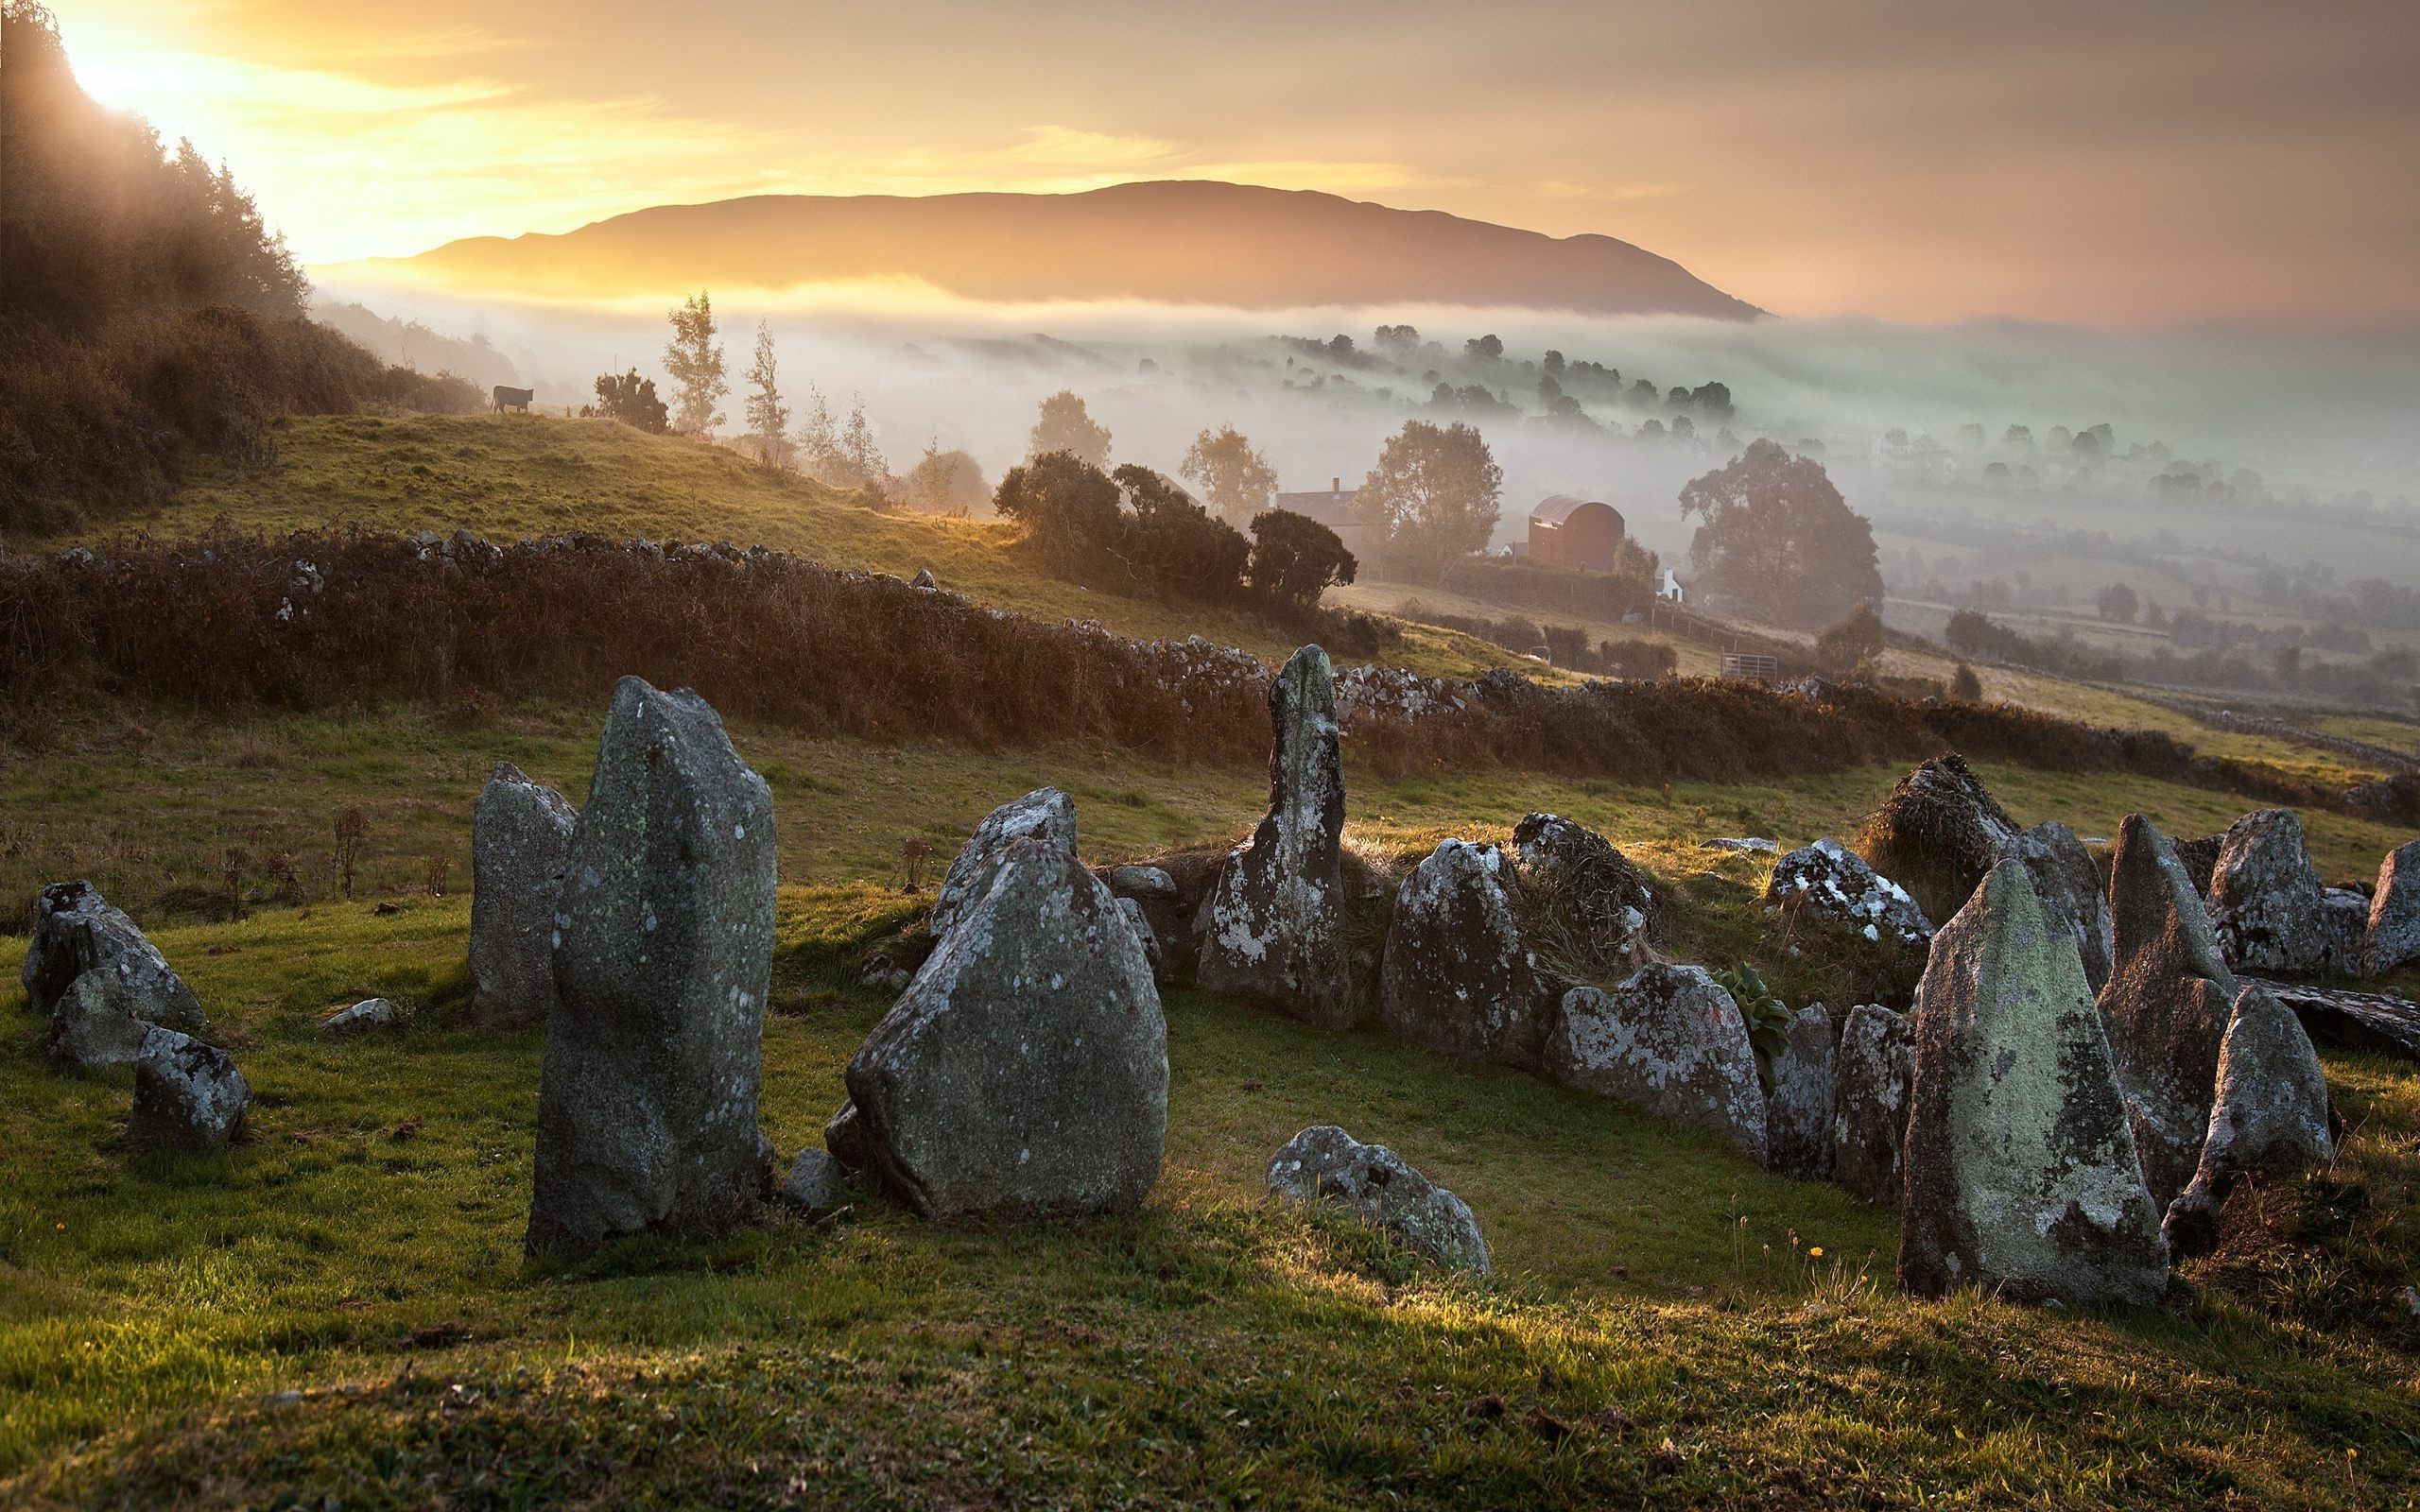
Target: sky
<point x="2150" y="163"/>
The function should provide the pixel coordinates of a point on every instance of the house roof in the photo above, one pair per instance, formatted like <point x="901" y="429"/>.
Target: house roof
<point x="1555" y="509"/>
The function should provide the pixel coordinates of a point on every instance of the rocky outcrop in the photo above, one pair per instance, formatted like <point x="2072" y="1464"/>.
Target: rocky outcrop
<point x="1937" y="833"/>
<point x="520" y="839"/>
<point x="1456" y="976"/>
<point x="188" y="1095"/>
<point x="663" y="950"/>
<point x="1668" y="1041"/>
<point x="2166" y="1005"/>
<point x="1045" y="815"/>
<point x="1325" y="1164"/>
<point x="1026" y="1065"/>
<point x="1876" y="1065"/>
<point x="2265" y="899"/>
<point x="76" y="931"/>
<point x="2070" y="886"/>
<point x="2021" y="1173"/>
<point x="2269" y="1115"/>
<point x="1798" y="1113"/>
<point x="1836" y="883"/>
<point x="1275" y="931"/>
<point x="2391" y="937"/>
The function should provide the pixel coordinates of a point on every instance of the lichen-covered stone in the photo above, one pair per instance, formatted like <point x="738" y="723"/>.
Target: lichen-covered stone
<point x="2392" y="938"/>
<point x="1876" y="1064"/>
<point x="369" y="1013"/>
<point x="2166" y="1005"/>
<point x="96" y="1022"/>
<point x="187" y="1095"/>
<point x="2265" y="898"/>
<point x="1936" y="834"/>
<point x="1045" y="815"/>
<point x="1456" y="976"/>
<point x="1798" y="1113"/>
<point x="2021" y="1174"/>
<point x="1026" y="1065"/>
<point x="1836" y="883"/>
<point x="2270" y="1115"/>
<point x="520" y="839"/>
<point x="76" y="931"/>
<point x="1668" y="1041"/>
<point x="1275" y="931"/>
<point x="2070" y="886"/>
<point x="2346" y="912"/>
<point x="664" y="953"/>
<point x="1325" y="1165"/>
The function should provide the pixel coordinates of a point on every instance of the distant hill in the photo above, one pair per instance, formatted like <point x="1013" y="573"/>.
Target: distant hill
<point x="1179" y="242"/>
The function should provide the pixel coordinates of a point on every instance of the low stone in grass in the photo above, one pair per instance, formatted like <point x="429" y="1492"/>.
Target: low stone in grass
<point x="816" y="1183"/>
<point x="368" y="1014"/>
<point x="648" y="1097"/>
<point x="188" y="1095"/>
<point x="2021" y="1172"/>
<point x="2269" y="1116"/>
<point x="1836" y="883"/>
<point x="1025" y="1067"/>
<point x="1456" y="976"/>
<point x="1325" y="1164"/>
<point x="1798" y="1113"/>
<point x="1668" y="1041"/>
<point x="520" y="840"/>
<point x="1276" y="927"/>
<point x="1586" y="908"/>
<point x="1876" y="1064"/>
<point x="76" y="931"/>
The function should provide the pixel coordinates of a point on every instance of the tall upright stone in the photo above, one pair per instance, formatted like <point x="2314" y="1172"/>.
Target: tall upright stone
<point x="2070" y="886"/>
<point x="1798" y="1111"/>
<point x="2268" y="1116"/>
<point x="1456" y="976"/>
<point x="2165" y="1005"/>
<point x="1045" y="815"/>
<point x="76" y="931"/>
<point x="2392" y="942"/>
<point x="2267" y="906"/>
<point x="2021" y="1176"/>
<point x="1025" y="1068"/>
<point x="664" y="951"/>
<point x="520" y="839"/>
<point x="1876" y="1065"/>
<point x="1276" y="927"/>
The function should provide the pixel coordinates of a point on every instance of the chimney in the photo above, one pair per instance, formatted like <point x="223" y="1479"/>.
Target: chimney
<point x="1335" y="485"/>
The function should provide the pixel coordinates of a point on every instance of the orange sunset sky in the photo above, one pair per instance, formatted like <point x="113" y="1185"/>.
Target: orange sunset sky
<point x="2103" y="163"/>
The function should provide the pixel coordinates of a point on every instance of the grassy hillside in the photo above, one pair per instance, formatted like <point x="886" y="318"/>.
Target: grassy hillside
<point x="512" y="476"/>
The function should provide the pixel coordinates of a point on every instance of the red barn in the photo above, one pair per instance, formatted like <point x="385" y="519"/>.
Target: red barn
<point x="1566" y="531"/>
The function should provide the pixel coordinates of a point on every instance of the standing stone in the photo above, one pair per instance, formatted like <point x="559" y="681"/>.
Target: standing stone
<point x="1457" y="976"/>
<point x="96" y="1022"/>
<point x="1045" y="815"/>
<point x="2345" y="911"/>
<point x="520" y="838"/>
<point x="1937" y="833"/>
<point x="2270" y="1115"/>
<point x="664" y="953"/>
<point x="187" y="1095"/>
<point x="1798" y="1113"/>
<point x="2392" y="939"/>
<point x="2021" y="1176"/>
<point x="2165" y="1005"/>
<point x="1671" y="1042"/>
<point x="1141" y="923"/>
<point x="1323" y="1163"/>
<point x="1275" y="931"/>
<point x="1876" y="1064"/>
<point x="1025" y="1067"/>
<point x="2070" y="886"/>
<point x="76" y="931"/>
<point x="2265" y="898"/>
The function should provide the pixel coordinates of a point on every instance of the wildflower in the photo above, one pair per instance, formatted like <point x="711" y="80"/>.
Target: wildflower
<point x="1816" y="1252"/>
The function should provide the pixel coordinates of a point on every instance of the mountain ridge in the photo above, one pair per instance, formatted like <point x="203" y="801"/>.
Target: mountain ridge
<point x="1200" y="242"/>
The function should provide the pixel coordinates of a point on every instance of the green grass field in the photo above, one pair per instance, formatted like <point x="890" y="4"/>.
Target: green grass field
<point x="337" y="1311"/>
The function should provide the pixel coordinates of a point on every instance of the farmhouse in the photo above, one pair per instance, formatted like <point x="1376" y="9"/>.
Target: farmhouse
<point x="1569" y="532"/>
<point x="1333" y="508"/>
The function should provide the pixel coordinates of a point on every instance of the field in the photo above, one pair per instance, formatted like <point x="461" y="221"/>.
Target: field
<point x="337" y="1310"/>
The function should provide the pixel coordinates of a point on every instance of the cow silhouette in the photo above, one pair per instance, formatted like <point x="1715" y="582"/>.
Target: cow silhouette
<point x="514" y="399"/>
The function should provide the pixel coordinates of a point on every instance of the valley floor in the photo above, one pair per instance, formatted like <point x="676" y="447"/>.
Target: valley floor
<point x="338" y="1307"/>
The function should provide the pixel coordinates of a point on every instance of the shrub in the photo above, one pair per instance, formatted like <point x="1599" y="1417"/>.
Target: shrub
<point x="1295" y="559"/>
<point x="1069" y="508"/>
<point x="1176" y="548"/>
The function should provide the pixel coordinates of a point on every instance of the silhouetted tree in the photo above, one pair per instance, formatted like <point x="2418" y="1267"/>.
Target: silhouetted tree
<point x="632" y="400"/>
<point x="1777" y="534"/>
<point x="1295" y="559"/>
<point x="1068" y="506"/>
<point x="1964" y="686"/>
<point x="2119" y="603"/>
<point x="1433" y="496"/>
<point x="1484" y="348"/>
<point x="1066" y="425"/>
